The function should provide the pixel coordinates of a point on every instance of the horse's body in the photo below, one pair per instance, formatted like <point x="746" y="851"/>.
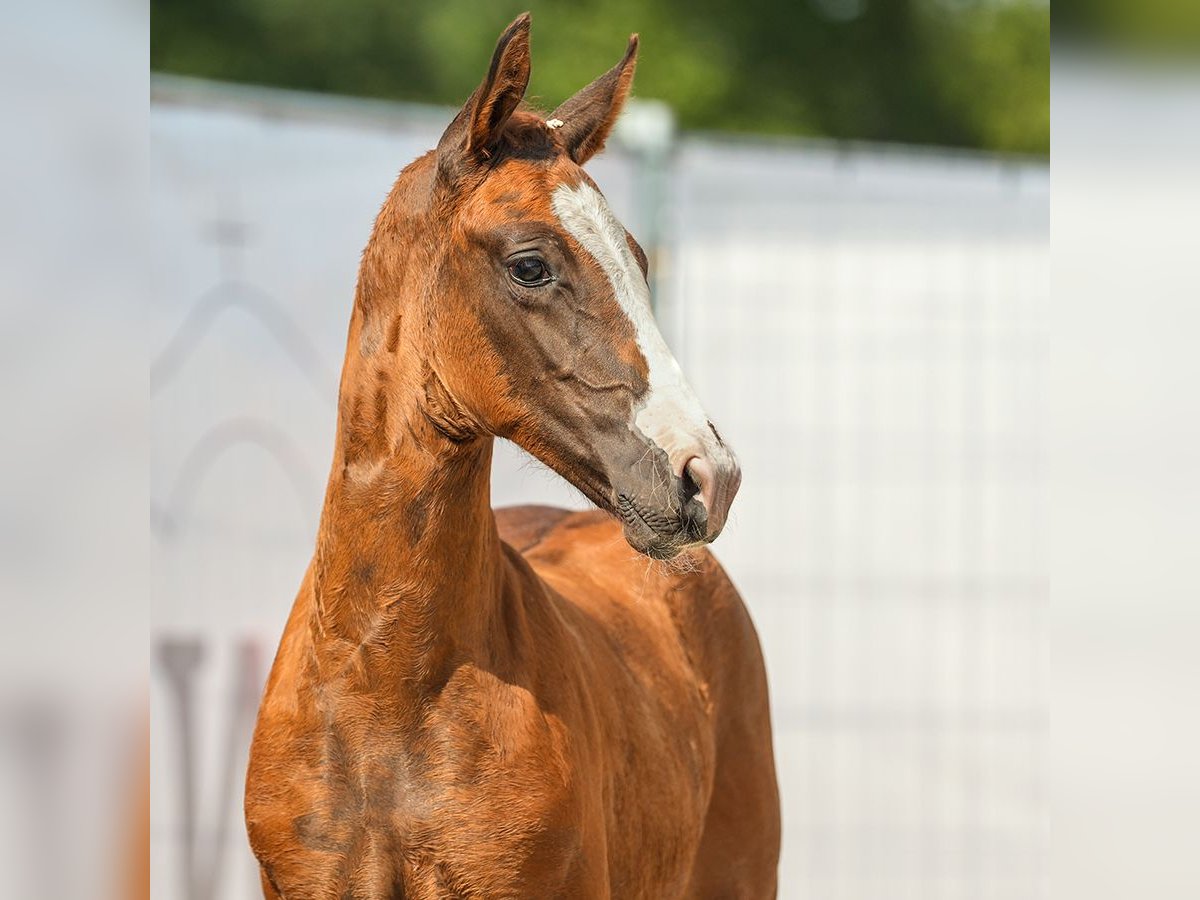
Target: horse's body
<point x="513" y="705"/>
<point x="610" y="746"/>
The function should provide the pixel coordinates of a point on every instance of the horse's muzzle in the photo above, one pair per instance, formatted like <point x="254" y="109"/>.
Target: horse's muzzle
<point x="692" y="510"/>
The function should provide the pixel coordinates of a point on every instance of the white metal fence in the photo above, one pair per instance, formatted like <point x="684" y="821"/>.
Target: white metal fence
<point x="865" y="325"/>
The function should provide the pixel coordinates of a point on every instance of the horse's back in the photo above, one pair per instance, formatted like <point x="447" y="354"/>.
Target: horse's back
<point x="584" y="557"/>
<point x="523" y="527"/>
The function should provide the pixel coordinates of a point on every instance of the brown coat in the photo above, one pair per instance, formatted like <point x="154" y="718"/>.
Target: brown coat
<point x="513" y="704"/>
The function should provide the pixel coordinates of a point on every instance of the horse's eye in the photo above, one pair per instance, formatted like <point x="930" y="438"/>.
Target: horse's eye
<point x="530" y="272"/>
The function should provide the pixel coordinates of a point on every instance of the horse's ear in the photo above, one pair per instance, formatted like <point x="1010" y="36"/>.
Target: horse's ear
<point x="589" y="116"/>
<point x="475" y="131"/>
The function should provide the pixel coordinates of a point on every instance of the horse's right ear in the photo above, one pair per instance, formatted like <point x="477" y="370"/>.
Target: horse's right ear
<point x="475" y="131"/>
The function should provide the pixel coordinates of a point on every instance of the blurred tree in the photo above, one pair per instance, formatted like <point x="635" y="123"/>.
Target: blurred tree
<point x="1168" y="28"/>
<point x="971" y="73"/>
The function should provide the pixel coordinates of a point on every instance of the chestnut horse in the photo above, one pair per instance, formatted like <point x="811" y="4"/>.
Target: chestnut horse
<point x="511" y="704"/>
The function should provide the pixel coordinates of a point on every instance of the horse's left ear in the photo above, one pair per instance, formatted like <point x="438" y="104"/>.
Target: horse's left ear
<point x="589" y="116"/>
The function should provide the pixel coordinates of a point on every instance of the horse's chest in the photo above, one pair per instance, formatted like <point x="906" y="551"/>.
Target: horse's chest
<point x="463" y="808"/>
<point x="494" y="795"/>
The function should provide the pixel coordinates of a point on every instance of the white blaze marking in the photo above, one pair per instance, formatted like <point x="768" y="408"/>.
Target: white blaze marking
<point x="669" y="414"/>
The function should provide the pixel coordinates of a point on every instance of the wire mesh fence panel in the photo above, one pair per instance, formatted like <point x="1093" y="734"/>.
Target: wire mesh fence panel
<point x="865" y="328"/>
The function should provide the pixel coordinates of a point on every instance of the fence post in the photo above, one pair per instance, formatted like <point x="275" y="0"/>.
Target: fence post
<point x="646" y="130"/>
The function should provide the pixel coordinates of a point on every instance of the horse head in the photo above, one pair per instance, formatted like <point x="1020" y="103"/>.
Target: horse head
<point x="536" y="316"/>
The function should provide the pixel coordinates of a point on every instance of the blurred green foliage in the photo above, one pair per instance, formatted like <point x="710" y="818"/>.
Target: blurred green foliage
<point x="968" y="73"/>
<point x="1150" y="28"/>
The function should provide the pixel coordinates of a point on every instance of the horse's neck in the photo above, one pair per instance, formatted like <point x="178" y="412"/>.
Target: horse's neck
<point x="408" y="568"/>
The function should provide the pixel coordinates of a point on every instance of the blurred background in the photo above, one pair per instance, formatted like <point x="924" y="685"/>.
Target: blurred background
<point x="961" y="73"/>
<point x="846" y="204"/>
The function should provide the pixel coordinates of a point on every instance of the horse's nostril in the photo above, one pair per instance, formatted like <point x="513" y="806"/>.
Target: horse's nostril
<point x="690" y="486"/>
<point x="713" y="488"/>
<point x="699" y="473"/>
